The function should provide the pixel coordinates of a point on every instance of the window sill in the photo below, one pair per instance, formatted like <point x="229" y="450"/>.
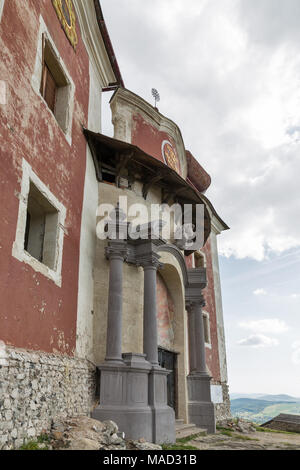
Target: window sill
<point x="25" y="257"/>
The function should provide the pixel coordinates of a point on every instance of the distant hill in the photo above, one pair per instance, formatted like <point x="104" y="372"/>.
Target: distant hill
<point x="281" y="398"/>
<point x="260" y="411"/>
<point x="233" y="396"/>
<point x="262" y="396"/>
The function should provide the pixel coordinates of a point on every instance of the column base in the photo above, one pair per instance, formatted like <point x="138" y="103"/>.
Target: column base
<point x="134" y="395"/>
<point x="163" y="415"/>
<point x="124" y="396"/>
<point x="201" y="408"/>
<point x="136" y="424"/>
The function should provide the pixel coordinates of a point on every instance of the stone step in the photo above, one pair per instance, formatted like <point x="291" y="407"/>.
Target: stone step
<point x="185" y="430"/>
<point x="179" y="422"/>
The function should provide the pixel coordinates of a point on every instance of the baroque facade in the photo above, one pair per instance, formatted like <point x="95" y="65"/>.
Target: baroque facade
<point x="123" y="329"/>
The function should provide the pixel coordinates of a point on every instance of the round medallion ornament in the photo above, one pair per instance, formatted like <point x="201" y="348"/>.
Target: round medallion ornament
<point x="66" y="15"/>
<point x="170" y="156"/>
<point x="66" y="12"/>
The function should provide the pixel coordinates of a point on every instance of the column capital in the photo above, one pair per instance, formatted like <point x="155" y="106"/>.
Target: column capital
<point x="191" y="304"/>
<point x="150" y="261"/>
<point x="116" y="249"/>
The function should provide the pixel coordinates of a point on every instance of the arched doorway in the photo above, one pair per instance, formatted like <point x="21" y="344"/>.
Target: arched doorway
<point x="172" y="331"/>
<point x="167" y="357"/>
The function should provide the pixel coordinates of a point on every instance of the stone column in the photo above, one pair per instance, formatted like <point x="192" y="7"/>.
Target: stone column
<point x="163" y="417"/>
<point x="191" y="338"/>
<point x="150" y="309"/>
<point x="199" y="338"/>
<point x="201" y="408"/>
<point x="116" y="253"/>
<point x="196" y="336"/>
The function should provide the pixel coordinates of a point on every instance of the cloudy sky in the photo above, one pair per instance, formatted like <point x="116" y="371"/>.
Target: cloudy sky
<point x="228" y="72"/>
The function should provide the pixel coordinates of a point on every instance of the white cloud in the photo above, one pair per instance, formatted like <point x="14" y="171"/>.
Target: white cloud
<point x="269" y="325"/>
<point x="295" y="296"/>
<point x="296" y="353"/>
<point x="233" y="88"/>
<point x="258" y="341"/>
<point x="260" y="292"/>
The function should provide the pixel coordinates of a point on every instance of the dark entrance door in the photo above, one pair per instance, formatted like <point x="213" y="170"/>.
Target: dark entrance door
<point x="168" y="360"/>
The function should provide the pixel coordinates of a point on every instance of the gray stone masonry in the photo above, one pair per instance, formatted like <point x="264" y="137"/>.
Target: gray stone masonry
<point x="37" y="387"/>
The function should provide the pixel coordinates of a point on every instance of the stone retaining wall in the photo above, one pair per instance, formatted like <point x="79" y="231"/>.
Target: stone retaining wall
<point x="36" y="387"/>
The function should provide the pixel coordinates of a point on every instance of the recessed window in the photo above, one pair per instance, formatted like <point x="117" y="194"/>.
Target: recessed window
<point x="41" y="228"/>
<point x="206" y="328"/>
<point x="52" y="81"/>
<point x="55" y="88"/>
<point x="200" y="261"/>
<point x="108" y="177"/>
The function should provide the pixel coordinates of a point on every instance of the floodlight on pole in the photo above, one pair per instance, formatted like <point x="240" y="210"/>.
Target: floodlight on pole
<point x="155" y="95"/>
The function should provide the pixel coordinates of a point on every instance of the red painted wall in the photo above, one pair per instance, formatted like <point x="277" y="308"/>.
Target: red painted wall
<point x="149" y="138"/>
<point x="212" y="356"/>
<point x="34" y="312"/>
<point x="165" y="314"/>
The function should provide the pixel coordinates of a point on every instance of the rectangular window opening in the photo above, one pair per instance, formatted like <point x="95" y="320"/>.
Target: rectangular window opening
<point x="55" y="88"/>
<point x="206" y="329"/>
<point x="41" y="228"/>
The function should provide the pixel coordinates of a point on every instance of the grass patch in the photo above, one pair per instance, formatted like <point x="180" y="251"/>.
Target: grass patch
<point x="226" y="432"/>
<point x="34" y="444"/>
<point x="260" y="429"/>
<point x="220" y="428"/>
<point x="184" y="440"/>
<point x="178" y="447"/>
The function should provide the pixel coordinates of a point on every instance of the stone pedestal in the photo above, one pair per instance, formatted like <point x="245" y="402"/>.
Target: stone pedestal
<point x="201" y="408"/>
<point x="124" y="396"/>
<point x="163" y="416"/>
<point x="133" y="388"/>
<point x="134" y="395"/>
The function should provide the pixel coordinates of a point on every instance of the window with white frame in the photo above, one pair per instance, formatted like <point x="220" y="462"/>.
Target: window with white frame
<point x="40" y="227"/>
<point x="52" y="81"/>
<point x="206" y="325"/>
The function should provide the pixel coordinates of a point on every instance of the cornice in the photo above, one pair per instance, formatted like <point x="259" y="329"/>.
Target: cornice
<point x="132" y="99"/>
<point x="91" y="36"/>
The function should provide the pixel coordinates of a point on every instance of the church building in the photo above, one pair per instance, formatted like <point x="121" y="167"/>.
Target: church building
<point x="98" y="319"/>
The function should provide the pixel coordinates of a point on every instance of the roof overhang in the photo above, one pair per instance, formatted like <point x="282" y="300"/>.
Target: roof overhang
<point x="123" y="158"/>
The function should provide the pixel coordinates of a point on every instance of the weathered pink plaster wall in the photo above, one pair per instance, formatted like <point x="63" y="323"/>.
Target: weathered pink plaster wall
<point x="34" y="312"/>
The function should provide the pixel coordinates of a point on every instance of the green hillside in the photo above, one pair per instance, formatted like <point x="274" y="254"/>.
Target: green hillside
<point x="260" y="411"/>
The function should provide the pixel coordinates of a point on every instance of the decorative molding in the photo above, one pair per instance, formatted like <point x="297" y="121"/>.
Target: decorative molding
<point x="190" y="304"/>
<point x="151" y="261"/>
<point x="116" y="249"/>
<point x="93" y="41"/>
<point x="173" y="250"/>
<point x="127" y="99"/>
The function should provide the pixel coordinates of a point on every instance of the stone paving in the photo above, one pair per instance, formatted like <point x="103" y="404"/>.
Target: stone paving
<point x="234" y="440"/>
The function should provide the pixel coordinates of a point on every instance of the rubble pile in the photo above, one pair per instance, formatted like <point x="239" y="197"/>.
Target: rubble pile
<point x="83" y="433"/>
